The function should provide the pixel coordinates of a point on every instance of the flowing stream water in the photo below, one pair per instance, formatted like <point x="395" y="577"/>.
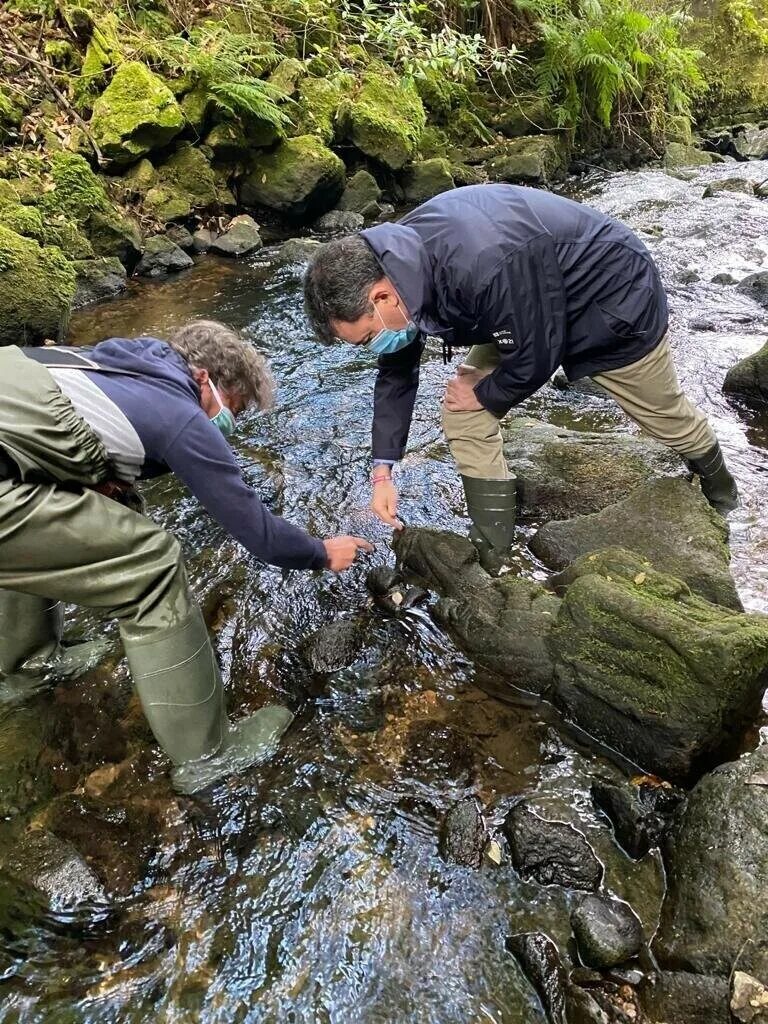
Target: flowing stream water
<point x="311" y="890"/>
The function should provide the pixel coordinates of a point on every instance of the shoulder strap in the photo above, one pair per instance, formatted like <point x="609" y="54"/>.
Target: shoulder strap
<point x="70" y="359"/>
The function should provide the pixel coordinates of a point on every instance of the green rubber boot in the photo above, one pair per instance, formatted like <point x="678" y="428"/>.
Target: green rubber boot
<point x="179" y="685"/>
<point x="491" y="507"/>
<point x="32" y="655"/>
<point x="717" y="484"/>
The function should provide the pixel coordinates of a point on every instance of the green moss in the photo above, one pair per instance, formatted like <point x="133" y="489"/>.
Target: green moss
<point x="384" y="118"/>
<point x="439" y="94"/>
<point x="434" y="142"/>
<point x="102" y="54"/>
<point x="77" y="191"/>
<point x="36" y="290"/>
<point x="300" y="177"/>
<point x="197" y="107"/>
<point x="64" y="234"/>
<point x="288" y="74"/>
<point x="427" y="178"/>
<point x="136" y="114"/>
<point x="62" y="54"/>
<point x="24" y="220"/>
<point x="183" y="183"/>
<point x="319" y="99"/>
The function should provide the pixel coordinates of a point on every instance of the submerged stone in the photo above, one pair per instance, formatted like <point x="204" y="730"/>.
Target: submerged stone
<point x="668" y="522"/>
<point x="334" y="646"/>
<point x="651" y="669"/>
<point x="607" y="931"/>
<point x="748" y="379"/>
<point x="641" y="811"/>
<point x="564" y="473"/>
<point x="462" y="835"/>
<point x="715" y="912"/>
<point x="551" y="852"/>
<point x="680" y="998"/>
<point x="755" y="286"/>
<point x="54" y="867"/>
<point x="563" y="1003"/>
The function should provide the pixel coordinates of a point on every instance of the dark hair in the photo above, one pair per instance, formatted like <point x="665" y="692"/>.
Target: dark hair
<point x="230" y="360"/>
<point x="337" y="283"/>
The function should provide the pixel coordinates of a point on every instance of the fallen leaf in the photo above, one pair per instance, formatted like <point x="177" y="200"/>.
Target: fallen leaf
<point x="640" y="578"/>
<point x="493" y="852"/>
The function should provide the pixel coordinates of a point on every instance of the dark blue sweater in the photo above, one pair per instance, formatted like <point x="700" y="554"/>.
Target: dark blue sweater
<point x="171" y="432"/>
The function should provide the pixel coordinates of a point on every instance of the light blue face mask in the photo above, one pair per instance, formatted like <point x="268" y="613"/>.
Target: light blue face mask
<point x="388" y="341"/>
<point x="224" y="418"/>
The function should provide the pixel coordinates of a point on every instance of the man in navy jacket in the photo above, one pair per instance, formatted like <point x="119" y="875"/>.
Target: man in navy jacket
<point x="529" y="281"/>
<point x="79" y="427"/>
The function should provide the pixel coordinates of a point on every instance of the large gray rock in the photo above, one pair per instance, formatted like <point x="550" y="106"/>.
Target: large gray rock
<point x="680" y="998"/>
<point x="752" y="143"/>
<point x="715" y="188"/>
<point x="607" y="931"/>
<point x="161" y="256"/>
<point x="537" y="159"/>
<point x="563" y="473"/>
<point x="668" y="522"/>
<point x="98" y="279"/>
<point x="755" y="286"/>
<point x="715" y="913"/>
<point x="361" y="195"/>
<point x="240" y="238"/>
<point x="301" y="178"/>
<point x="748" y="379"/>
<point x="651" y="669"/>
<point x="54" y="867"/>
<point x="679" y="155"/>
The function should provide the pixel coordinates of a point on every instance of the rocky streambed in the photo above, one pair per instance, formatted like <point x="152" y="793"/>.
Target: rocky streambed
<point x="498" y="800"/>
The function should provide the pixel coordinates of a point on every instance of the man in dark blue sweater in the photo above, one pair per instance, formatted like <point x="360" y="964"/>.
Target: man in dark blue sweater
<point x="78" y="425"/>
<point x="528" y="281"/>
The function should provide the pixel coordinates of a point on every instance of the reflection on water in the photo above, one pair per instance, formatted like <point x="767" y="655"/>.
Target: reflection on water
<point x="311" y="890"/>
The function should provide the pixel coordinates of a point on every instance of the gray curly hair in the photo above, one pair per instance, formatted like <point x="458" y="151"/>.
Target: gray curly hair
<point x="228" y="358"/>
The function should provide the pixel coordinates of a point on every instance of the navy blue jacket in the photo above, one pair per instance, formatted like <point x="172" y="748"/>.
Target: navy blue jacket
<point x="162" y="405"/>
<point x="550" y="281"/>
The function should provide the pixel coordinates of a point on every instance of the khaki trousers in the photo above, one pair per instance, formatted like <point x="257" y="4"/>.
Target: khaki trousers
<point x="647" y="390"/>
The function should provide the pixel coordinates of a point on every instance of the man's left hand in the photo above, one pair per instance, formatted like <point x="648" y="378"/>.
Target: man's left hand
<point x="460" y="394"/>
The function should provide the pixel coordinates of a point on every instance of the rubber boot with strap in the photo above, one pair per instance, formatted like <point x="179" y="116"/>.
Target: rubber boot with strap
<point x="180" y="688"/>
<point x="491" y="507"/>
<point x="717" y="484"/>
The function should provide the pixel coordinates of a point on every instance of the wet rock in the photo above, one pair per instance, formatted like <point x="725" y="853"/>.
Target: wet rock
<point x="391" y="592"/>
<point x="641" y="811"/>
<point x="437" y="749"/>
<point x="298" y="250"/>
<point x="240" y="238"/>
<point x="752" y="143"/>
<point x="537" y="158"/>
<point x="361" y="195"/>
<point x="715" y="913"/>
<point x="607" y="932"/>
<point x="551" y="852"/>
<point x="182" y="237"/>
<point x="462" y="835"/>
<point x="668" y="522"/>
<point x="540" y="962"/>
<point x="53" y="867"/>
<point x="202" y="240"/>
<point x="679" y="155"/>
<point x="582" y="386"/>
<point x="136" y="114"/>
<point x="340" y="221"/>
<point x="755" y="286"/>
<point x="724" y="278"/>
<point x="97" y="280"/>
<point x="748" y="379"/>
<point x="382" y="579"/>
<point x="334" y="646"/>
<point x="729" y="185"/>
<point x="502" y="623"/>
<point x="749" y="999"/>
<point x="24" y="732"/>
<point x="678" y="998"/>
<point x="161" y="257"/>
<point x="427" y="178"/>
<point x="635" y="656"/>
<point x="301" y="178"/>
<point x="564" y="473"/>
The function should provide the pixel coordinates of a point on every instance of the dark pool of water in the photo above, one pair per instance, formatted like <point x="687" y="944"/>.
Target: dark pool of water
<point x="311" y="890"/>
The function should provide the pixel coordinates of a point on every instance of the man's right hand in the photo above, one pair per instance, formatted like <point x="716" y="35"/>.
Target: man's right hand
<point x="342" y="551"/>
<point x="384" y="503"/>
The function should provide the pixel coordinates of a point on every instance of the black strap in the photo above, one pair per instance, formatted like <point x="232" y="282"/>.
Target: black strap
<point x="70" y="359"/>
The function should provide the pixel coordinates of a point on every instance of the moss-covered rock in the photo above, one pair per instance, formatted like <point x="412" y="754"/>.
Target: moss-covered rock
<point x="98" y="279"/>
<point x="301" y="178"/>
<point x="135" y="114"/>
<point x="65" y="235"/>
<point x="537" y="158"/>
<point x="748" y="380"/>
<point x="24" y="220"/>
<point x="137" y="180"/>
<point x="11" y="114"/>
<point x="427" y="178"/>
<point x="361" y="195"/>
<point x="198" y="106"/>
<point x="102" y="54"/>
<point x="37" y="285"/>
<point x="439" y="94"/>
<point x="228" y="142"/>
<point x="288" y="74"/>
<point x="318" y="101"/>
<point x="523" y="117"/>
<point x="677" y="155"/>
<point x="185" y="182"/>
<point x="434" y="142"/>
<point x="665" y="677"/>
<point x="384" y="118"/>
<point x="161" y="257"/>
<point x="666" y="521"/>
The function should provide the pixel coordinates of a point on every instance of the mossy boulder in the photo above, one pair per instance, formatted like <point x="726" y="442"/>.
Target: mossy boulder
<point x="537" y="158"/>
<point x="434" y="142"/>
<point x="12" y="110"/>
<point x="361" y="195"/>
<point x="427" y="178"/>
<point x="137" y="180"/>
<point x="525" y="117"/>
<point x="677" y="155"/>
<point x="185" y="182"/>
<point x="748" y="380"/>
<point x="198" y="106"/>
<point x="666" y="521"/>
<point x="300" y="178"/>
<point x="24" y="220"/>
<point x="715" y="913"/>
<point x="228" y="142"/>
<point x="652" y="670"/>
<point x="136" y="114"/>
<point x="564" y="473"/>
<point x="384" y="117"/>
<point x="318" y="101"/>
<point x="37" y="284"/>
<point x="288" y="74"/>
<point x="103" y="53"/>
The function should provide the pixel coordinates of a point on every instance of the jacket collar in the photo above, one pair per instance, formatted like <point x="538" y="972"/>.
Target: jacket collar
<point x="404" y="260"/>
